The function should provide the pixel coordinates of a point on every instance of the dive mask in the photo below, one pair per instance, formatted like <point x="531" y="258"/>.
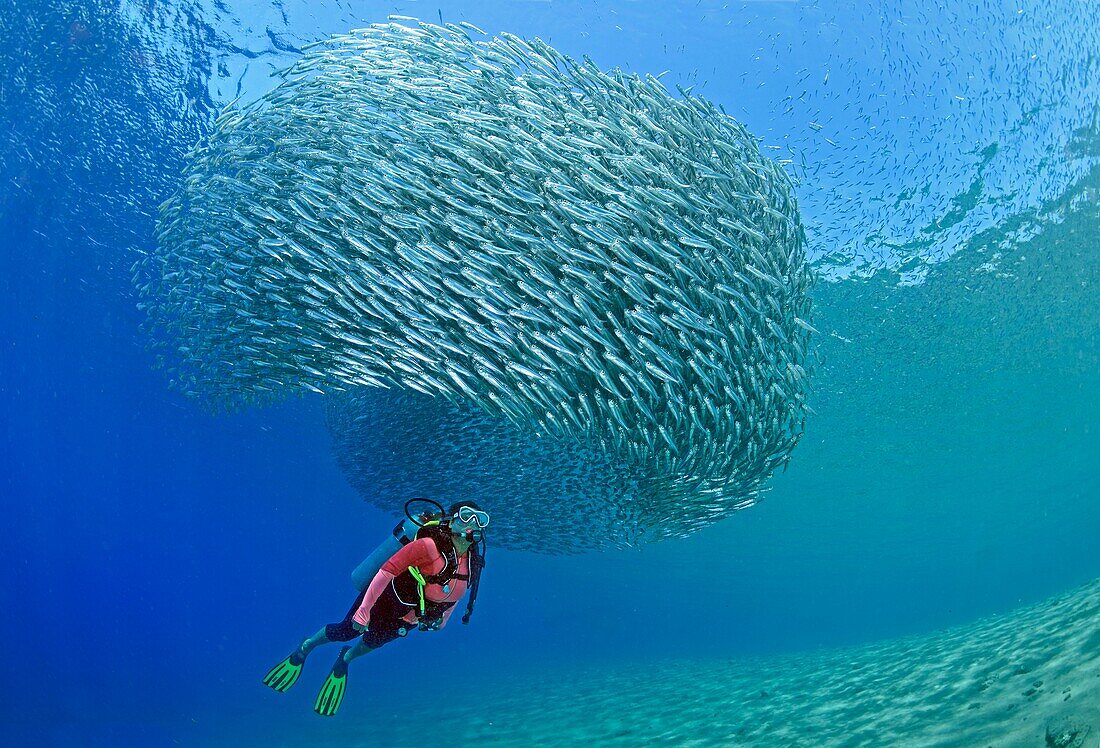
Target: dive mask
<point x="468" y="514"/>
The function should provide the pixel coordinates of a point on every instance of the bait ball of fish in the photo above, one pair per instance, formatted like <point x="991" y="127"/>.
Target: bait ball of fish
<point x="561" y="290"/>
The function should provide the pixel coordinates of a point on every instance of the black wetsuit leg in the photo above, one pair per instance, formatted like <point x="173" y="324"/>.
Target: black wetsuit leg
<point x="385" y="621"/>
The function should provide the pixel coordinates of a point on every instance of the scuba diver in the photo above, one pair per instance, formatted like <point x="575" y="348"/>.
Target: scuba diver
<point x="414" y="579"/>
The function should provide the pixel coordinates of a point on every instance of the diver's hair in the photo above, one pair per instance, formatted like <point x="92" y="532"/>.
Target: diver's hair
<point x="459" y="504"/>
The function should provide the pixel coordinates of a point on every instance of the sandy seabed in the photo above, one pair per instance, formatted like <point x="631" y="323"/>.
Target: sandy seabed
<point x="1027" y="678"/>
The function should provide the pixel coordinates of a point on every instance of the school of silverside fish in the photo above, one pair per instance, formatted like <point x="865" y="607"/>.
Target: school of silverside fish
<point x="545" y="495"/>
<point x="614" y="276"/>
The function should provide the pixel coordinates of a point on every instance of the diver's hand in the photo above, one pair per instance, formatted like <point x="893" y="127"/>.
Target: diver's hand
<point x="429" y="625"/>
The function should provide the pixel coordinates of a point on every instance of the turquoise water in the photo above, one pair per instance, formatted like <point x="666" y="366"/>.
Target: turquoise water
<point x="945" y="164"/>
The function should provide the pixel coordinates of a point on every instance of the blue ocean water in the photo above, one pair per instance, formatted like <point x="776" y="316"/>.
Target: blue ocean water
<point x="160" y="558"/>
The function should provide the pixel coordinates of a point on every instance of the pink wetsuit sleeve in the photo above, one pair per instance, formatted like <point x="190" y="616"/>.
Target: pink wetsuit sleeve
<point x="416" y="553"/>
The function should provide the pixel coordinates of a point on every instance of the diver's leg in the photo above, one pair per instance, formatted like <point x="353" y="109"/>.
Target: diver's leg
<point x="286" y="673"/>
<point x="310" y="644"/>
<point x="361" y="648"/>
<point x="342" y="631"/>
<point x="332" y="690"/>
<point x="382" y="631"/>
<point x="384" y="627"/>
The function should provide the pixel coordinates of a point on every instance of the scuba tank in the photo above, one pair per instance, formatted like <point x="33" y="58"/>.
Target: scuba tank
<point x="425" y="524"/>
<point x="402" y="535"/>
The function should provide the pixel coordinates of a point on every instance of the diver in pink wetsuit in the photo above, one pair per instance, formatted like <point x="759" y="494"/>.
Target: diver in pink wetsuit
<point x="418" y="587"/>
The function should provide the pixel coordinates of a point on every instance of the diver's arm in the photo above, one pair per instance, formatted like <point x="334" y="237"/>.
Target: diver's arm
<point x="376" y="587"/>
<point x="416" y="553"/>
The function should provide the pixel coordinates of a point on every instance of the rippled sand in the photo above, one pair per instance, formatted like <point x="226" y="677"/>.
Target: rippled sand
<point x="1028" y="678"/>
